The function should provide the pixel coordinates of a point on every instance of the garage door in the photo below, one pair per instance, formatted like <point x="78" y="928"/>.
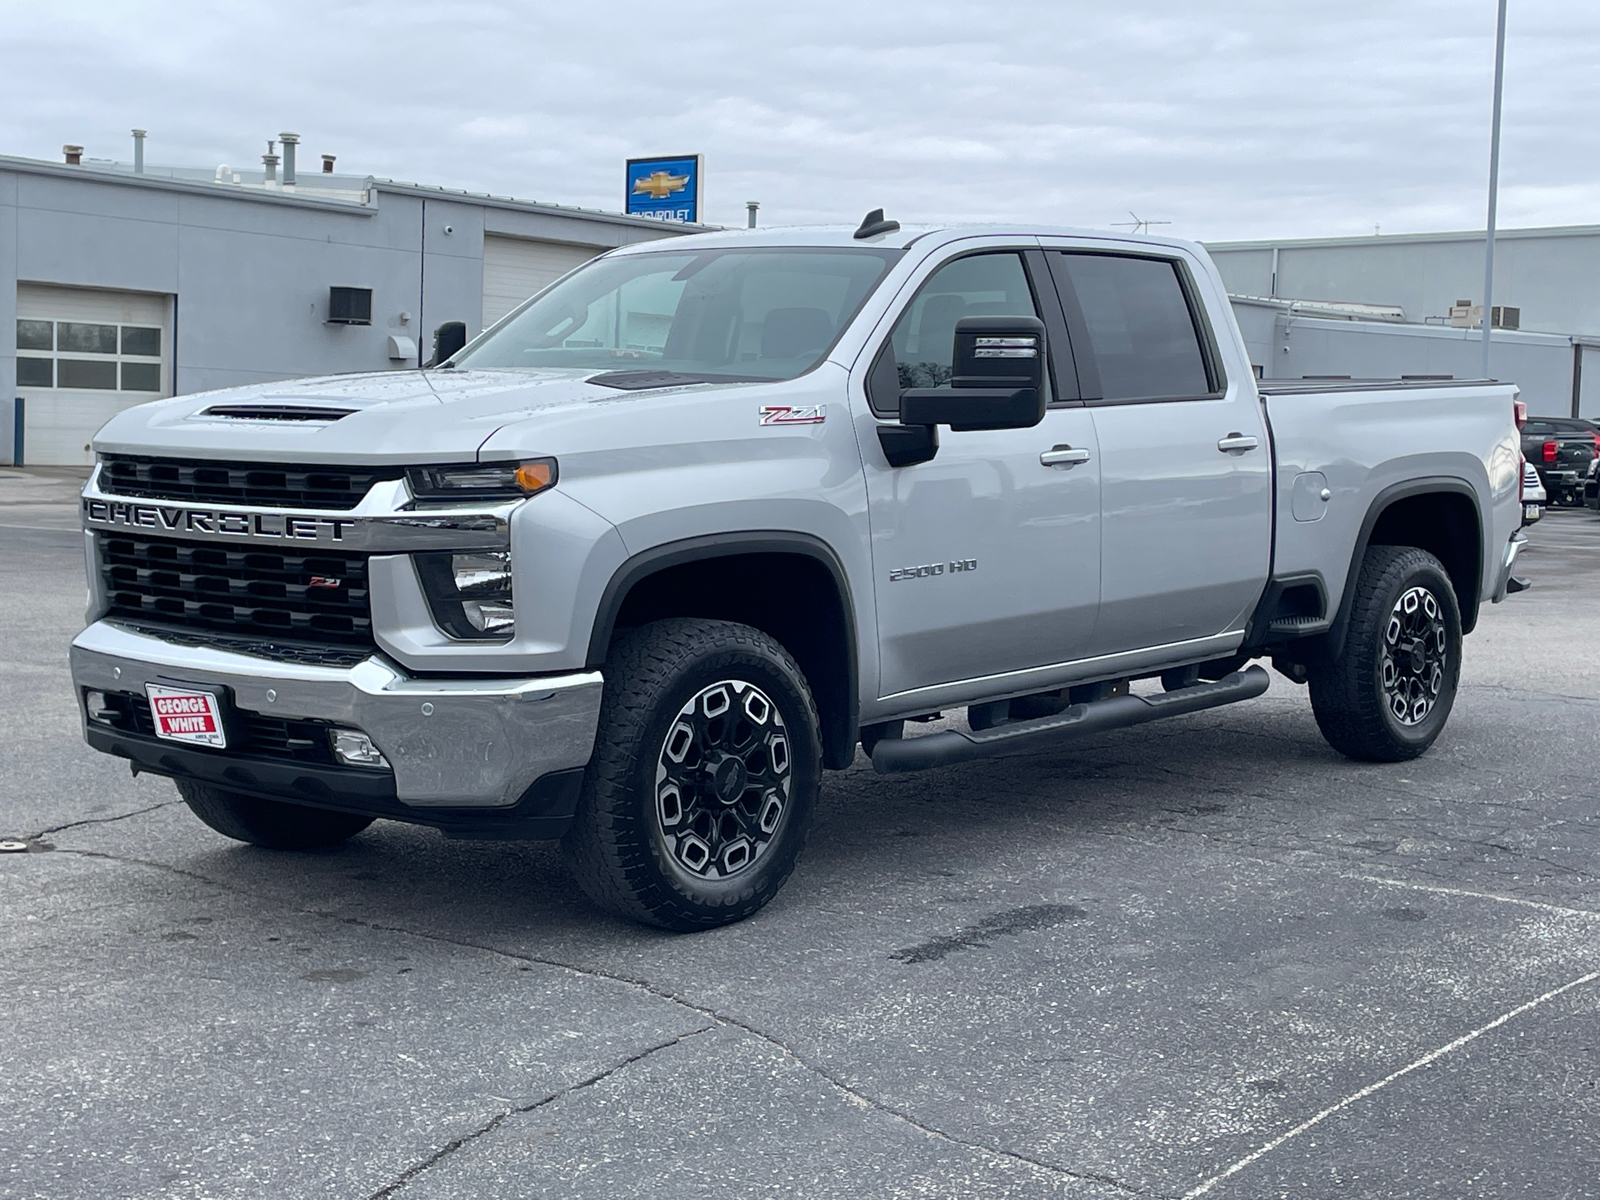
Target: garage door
<point x="514" y="269"/>
<point x="84" y="355"/>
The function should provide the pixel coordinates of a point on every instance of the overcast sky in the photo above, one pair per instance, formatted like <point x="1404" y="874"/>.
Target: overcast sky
<point x="1228" y="118"/>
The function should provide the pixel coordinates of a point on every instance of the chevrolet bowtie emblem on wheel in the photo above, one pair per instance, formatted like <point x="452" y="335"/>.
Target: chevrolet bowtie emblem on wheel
<point x="658" y="185"/>
<point x="785" y="414"/>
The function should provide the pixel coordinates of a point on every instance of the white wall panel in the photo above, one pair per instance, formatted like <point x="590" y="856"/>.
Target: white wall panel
<point x="514" y="269"/>
<point x="61" y="421"/>
<point x="1589" y="384"/>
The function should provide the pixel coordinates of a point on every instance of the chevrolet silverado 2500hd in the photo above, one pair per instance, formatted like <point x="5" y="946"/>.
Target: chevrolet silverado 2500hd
<point x="701" y="518"/>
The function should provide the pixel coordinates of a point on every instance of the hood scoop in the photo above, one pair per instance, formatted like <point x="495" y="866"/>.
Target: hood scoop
<point x="276" y="412"/>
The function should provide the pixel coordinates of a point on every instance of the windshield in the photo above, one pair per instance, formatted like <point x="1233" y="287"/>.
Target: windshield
<point x="712" y="314"/>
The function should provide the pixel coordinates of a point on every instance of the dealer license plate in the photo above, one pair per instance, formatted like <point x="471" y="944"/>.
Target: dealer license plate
<point x="184" y="715"/>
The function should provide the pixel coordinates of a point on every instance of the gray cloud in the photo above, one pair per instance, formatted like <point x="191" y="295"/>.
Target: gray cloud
<point x="1238" y="118"/>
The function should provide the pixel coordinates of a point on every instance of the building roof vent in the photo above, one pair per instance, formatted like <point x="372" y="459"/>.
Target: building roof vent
<point x="73" y="155"/>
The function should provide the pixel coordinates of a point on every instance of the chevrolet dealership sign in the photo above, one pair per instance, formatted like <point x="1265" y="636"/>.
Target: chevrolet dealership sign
<point x="665" y="189"/>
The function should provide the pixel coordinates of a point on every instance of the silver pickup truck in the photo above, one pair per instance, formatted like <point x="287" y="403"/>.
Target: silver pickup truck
<point x="704" y="516"/>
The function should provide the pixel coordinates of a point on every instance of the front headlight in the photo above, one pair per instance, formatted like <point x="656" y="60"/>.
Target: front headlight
<point x="466" y="482"/>
<point x="470" y="593"/>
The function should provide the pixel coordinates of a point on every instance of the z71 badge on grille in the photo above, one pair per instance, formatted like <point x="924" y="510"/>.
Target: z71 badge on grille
<point x="785" y="414"/>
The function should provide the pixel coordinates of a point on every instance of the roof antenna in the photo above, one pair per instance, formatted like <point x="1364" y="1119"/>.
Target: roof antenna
<point x="873" y="224"/>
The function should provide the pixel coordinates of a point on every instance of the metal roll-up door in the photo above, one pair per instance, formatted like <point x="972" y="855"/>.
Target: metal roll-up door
<point x="84" y="355"/>
<point x="516" y="268"/>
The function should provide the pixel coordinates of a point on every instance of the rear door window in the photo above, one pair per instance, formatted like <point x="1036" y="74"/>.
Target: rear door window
<point x="1135" y="315"/>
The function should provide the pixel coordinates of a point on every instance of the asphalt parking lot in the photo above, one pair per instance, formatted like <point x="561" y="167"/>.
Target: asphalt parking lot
<point x="1206" y="957"/>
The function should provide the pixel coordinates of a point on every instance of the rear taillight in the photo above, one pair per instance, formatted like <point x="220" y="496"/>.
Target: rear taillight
<point x="1519" y="412"/>
<point x="1550" y="449"/>
<point x="1596" y="437"/>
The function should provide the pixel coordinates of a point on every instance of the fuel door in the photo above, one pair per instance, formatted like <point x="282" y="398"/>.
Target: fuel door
<point x="1308" y="498"/>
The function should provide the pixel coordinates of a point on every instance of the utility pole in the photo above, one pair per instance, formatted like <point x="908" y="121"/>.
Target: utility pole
<point x="1494" y="188"/>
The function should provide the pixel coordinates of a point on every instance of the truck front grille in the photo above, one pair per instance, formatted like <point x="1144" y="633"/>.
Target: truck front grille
<point x="318" y="597"/>
<point x="218" y="482"/>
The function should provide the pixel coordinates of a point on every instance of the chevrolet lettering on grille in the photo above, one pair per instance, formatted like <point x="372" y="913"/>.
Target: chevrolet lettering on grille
<point x="181" y="519"/>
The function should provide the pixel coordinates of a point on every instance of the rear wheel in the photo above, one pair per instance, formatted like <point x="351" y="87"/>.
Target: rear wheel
<point x="272" y="824"/>
<point x="1390" y="693"/>
<point x="696" y="803"/>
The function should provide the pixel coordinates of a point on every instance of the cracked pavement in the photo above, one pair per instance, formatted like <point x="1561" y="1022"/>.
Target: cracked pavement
<point x="1129" y="967"/>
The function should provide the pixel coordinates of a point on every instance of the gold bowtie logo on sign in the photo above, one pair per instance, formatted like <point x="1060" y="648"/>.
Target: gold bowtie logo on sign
<point x="658" y="185"/>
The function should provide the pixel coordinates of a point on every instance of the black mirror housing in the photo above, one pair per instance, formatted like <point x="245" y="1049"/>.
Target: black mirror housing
<point x="998" y="380"/>
<point x="908" y="445"/>
<point x="447" y="339"/>
<point x="999" y="352"/>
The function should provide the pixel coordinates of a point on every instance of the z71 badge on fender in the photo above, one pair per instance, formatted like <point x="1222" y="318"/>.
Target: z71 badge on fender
<point x="784" y="414"/>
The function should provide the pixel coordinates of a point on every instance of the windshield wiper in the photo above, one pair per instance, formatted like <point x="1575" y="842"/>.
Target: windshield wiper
<point x="633" y="381"/>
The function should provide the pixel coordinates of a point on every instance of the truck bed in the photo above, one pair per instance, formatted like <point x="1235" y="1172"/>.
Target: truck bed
<point x="1365" y="441"/>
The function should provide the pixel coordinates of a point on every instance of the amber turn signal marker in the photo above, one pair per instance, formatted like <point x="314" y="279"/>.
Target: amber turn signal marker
<point x="534" y="476"/>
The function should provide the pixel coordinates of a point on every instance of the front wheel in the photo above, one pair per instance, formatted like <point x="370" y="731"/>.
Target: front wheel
<point x="1388" y="695"/>
<point x="696" y="803"/>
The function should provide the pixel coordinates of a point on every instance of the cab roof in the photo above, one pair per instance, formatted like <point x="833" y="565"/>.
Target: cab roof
<point x="844" y="235"/>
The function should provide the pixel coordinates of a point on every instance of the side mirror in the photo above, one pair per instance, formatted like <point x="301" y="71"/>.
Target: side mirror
<point x="447" y="339"/>
<point x="997" y="382"/>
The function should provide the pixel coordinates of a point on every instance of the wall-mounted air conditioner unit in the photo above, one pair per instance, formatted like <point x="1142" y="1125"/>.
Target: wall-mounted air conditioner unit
<point x="349" y="306"/>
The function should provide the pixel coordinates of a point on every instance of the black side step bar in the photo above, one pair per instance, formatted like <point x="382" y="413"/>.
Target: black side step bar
<point x="893" y="755"/>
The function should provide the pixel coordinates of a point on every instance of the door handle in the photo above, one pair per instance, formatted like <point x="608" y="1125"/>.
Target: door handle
<point x="1063" y="456"/>
<point x="1237" y="443"/>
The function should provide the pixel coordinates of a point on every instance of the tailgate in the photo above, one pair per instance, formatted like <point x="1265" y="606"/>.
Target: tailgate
<point x="1574" y="452"/>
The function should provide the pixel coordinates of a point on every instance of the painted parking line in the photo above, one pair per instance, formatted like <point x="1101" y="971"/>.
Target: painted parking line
<point x="1431" y="1057"/>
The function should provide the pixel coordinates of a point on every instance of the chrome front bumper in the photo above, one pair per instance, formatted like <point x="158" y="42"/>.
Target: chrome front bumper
<point x="463" y="742"/>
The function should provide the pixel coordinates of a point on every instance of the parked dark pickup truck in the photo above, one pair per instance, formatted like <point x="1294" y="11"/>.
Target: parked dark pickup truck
<point x="1561" y="449"/>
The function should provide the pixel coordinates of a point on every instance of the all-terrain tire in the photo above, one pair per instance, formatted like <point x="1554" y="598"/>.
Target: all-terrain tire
<point x="272" y="824"/>
<point x="1382" y="700"/>
<point x="669" y="831"/>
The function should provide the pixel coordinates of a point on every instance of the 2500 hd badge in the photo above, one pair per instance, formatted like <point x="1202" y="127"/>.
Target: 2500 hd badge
<point x="955" y="566"/>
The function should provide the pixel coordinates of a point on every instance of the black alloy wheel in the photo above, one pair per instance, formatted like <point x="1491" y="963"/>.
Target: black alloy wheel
<point x="1414" y="656"/>
<point x="722" y="780"/>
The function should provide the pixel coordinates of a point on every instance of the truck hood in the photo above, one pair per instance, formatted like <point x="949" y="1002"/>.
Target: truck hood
<point x="384" y="417"/>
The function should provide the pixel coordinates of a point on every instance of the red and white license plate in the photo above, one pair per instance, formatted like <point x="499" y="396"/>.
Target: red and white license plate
<point x="182" y="715"/>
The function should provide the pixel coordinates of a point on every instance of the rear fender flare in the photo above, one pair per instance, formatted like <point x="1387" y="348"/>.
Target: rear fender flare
<point x="1333" y="640"/>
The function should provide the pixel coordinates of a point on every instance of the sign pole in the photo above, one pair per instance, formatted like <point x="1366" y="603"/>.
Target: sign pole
<point x="1494" y="188"/>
